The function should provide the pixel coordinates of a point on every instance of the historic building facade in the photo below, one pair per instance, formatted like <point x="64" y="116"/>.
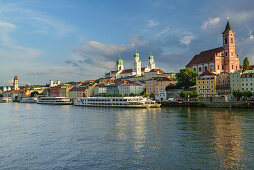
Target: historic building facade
<point x="222" y="59"/>
<point x="16" y="83"/>
<point x="137" y="70"/>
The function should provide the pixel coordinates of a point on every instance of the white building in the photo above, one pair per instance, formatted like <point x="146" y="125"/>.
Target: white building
<point x="100" y="89"/>
<point x="129" y="88"/>
<point x="242" y="81"/>
<point x="52" y="84"/>
<point x="137" y="70"/>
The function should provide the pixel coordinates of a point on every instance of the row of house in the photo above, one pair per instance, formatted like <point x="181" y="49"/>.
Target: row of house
<point x="209" y="84"/>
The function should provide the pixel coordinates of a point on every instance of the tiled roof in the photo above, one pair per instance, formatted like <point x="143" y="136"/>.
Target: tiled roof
<point x="205" y="56"/>
<point x="126" y="71"/>
<point x="157" y="70"/>
<point x="206" y="73"/>
<point x="101" y="85"/>
<point x="131" y="84"/>
<point x="162" y="79"/>
<point x="78" y="89"/>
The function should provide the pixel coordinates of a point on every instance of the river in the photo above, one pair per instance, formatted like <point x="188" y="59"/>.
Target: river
<point x="34" y="136"/>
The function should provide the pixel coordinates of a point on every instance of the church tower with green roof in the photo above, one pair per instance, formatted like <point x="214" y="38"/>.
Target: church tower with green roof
<point x="151" y="64"/>
<point x="136" y="64"/>
<point x="119" y="64"/>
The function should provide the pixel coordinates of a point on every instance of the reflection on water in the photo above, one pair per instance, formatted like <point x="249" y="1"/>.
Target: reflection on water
<point x="68" y="137"/>
<point x="228" y="139"/>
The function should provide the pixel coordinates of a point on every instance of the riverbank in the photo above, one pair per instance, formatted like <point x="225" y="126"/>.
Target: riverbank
<point x="230" y="104"/>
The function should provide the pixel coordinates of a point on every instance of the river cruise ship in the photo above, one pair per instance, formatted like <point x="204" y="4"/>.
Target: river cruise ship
<point x="54" y="100"/>
<point x="133" y="102"/>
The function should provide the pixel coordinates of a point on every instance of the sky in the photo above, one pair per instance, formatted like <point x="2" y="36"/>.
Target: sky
<point x="76" y="40"/>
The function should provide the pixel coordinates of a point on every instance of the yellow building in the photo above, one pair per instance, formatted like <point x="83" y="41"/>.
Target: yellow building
<point x="206" y="84"/>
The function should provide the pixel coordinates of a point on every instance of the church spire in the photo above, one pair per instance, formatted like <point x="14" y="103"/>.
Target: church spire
<point x="228" y="26"/>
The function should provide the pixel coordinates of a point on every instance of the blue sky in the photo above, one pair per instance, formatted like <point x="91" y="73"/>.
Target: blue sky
<point x="81" y="39"/>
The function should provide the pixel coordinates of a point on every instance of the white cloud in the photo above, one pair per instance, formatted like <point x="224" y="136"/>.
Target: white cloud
<point x="162" y="32"/>
<point x="210" y="22"/>
<point x="7" y="25"/>
<point x="152" y="23"/>
<point x="187" y="39"/>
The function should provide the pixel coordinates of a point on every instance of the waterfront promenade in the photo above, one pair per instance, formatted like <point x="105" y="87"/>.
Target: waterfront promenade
<point x="67" y="137"/>
<point x="221" y="104"/>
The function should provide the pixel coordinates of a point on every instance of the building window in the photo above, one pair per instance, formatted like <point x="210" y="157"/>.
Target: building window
<point x="222" y="67"/>
<point x="207" y="82"/>
<point x="211" y="86"/>
<point x="205" y="68"/>
<point x="226" y="53"/>
<point x="218" y="67"/>
<point x="207" y="87"/>
<point x="232" y="40"/>
<point x="226" y="40"/>
<point x="199" y="69"/>
<point x="194" y="69"/>
<point x="232" y="67"/>
<point x="236" y="67"/>
<point x="211" y="81"/>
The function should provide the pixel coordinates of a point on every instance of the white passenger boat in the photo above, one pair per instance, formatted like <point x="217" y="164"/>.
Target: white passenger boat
<point x="29" y="100"/>
<point x="134" y="102"/>
<point x="54" y="100"/>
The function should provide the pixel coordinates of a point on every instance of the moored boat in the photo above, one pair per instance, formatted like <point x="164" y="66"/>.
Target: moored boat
<point x="133" y="102"/>
<point x="54" y="100"/>
<point x="29" y="100"/>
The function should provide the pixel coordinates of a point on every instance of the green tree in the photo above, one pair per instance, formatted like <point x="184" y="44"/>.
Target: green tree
<point x="186" y="78"/>
<point x="246" y="94"/>
<point x="33" y="93"/>
<point x="145" y="94"/>
<point x="104" y="95"/>
<point x="246" y="64"/>
<point x="152" y="96"/>
<point x="194" y="94"/>
<point x="1" y="95"/>
<point x="237" y="94"/>
<point x="132" y="94"/>
<point x="125" y="95"/>
<point x="138" y="94"/>
<point x="182" y="94"/>
<point x="120" y="95"/>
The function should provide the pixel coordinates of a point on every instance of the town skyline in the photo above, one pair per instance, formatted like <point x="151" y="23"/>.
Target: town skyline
<point x="60" y="40"/>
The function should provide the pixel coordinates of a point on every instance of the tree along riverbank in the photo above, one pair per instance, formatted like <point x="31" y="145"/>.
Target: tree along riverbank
<point x="229" y="104"/>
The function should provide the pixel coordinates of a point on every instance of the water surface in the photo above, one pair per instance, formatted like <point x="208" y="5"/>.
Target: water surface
<point x="36" y="136"/>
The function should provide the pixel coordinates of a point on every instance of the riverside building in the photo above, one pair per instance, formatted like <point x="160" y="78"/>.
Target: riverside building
<point x="242" y="80"/>
<point x="206" y="84"/>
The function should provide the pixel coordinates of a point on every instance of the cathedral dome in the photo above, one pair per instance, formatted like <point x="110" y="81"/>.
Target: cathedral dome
<point x="119" y="61"/>
<point x="151" y="56"/>
<point x="136" y="54"/>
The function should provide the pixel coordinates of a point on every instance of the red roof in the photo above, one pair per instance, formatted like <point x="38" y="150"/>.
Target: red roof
<point x="126" y="71"/>
<point x="16" y="78"/>
<point x="157" y="70"/>
<point x="101" y="85"/>
<point x="163" y="79"/>
<point x="205" y="56"/>
<point x="131" y="84"/>
<point x="206" y="73"/>
<point x="78" y="89"/>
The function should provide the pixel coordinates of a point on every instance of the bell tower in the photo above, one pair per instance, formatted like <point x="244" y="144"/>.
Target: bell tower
<point x="16" y="83"/>
<point x="231" y="60"/>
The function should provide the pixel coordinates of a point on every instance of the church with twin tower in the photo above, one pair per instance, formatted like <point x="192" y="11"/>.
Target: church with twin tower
<point x="137" y="70"/>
